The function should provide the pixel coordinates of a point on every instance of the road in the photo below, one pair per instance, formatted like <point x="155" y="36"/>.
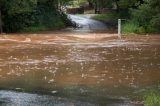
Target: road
<point x="86" y="24"/>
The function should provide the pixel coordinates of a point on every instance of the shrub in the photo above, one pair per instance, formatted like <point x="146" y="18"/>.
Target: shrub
<point x="148" y="15"/>
<point x="18" y="21"/>
<point x="41" y="16"/>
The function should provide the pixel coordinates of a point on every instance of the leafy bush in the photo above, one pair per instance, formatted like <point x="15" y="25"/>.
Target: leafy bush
<point x="32" y="16"/>
<point x="148" y="15"/>
<point x="16" y="22"/>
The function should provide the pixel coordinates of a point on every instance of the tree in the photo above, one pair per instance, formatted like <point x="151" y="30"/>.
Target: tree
<point x="147" y="15"/>
<point x="1" y="22"/>
<point x="17" y="15"/>
<point x="1" y="29"/>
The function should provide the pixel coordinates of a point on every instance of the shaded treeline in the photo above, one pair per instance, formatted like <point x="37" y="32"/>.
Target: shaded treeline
<point x="31" y="15"/>
<point x="37" y="15"/>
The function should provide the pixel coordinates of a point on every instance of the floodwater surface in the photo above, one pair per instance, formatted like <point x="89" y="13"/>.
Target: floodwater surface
<point x="89" y="71"/>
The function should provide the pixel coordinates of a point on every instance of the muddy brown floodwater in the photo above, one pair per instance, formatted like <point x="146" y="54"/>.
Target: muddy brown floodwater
<point x="77" y="69"/>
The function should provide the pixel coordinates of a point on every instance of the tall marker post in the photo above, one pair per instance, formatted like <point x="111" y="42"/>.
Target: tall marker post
<point x="119" y="28"/>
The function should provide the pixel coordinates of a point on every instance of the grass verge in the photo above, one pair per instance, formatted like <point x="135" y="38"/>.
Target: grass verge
<point x="152" y="98"/>
<point x="132" y="27"/>
<point x="106" y="17"/>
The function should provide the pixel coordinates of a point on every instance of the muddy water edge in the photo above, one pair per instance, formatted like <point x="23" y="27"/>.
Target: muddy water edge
<point x="98" y="70"/>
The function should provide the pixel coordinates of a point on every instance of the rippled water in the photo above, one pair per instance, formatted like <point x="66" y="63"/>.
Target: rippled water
<point x="97" y="72"/>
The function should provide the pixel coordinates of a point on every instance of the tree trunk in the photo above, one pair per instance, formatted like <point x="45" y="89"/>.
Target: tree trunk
<point x="1" y="29"/>
<point x="90" y="4"/>
<point x="117" y="6"/>
<point x="96" y="7"/>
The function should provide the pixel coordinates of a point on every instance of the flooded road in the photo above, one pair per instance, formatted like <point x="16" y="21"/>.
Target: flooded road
<point x="86" y="24"/>
<point x="76" y="70"/>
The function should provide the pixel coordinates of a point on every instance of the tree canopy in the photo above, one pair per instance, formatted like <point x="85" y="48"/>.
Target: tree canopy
<point x="20" y="15"/>
<point x="147" y="15"/>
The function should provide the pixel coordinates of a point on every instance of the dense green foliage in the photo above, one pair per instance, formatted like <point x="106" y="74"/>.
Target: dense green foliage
<point x="119" y="4"/>
<point x="143" y="15"/>
<point x="31" y="15"/>
<point x="144" y="19"/>
<point x="148" y="16"/>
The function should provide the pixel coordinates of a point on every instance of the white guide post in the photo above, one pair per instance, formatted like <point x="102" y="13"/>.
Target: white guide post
<point x="119" y="28"/>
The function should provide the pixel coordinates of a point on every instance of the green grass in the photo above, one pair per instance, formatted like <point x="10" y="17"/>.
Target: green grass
<point x="37" y="28"/>
<point x="131" y="27"/>
<point x="152" y="98"/>
<point x="34" y="29"/>
<point x="106" y="17"/>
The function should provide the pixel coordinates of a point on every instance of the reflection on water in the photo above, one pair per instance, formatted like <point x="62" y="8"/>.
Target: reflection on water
<point x="82" y="70"/>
